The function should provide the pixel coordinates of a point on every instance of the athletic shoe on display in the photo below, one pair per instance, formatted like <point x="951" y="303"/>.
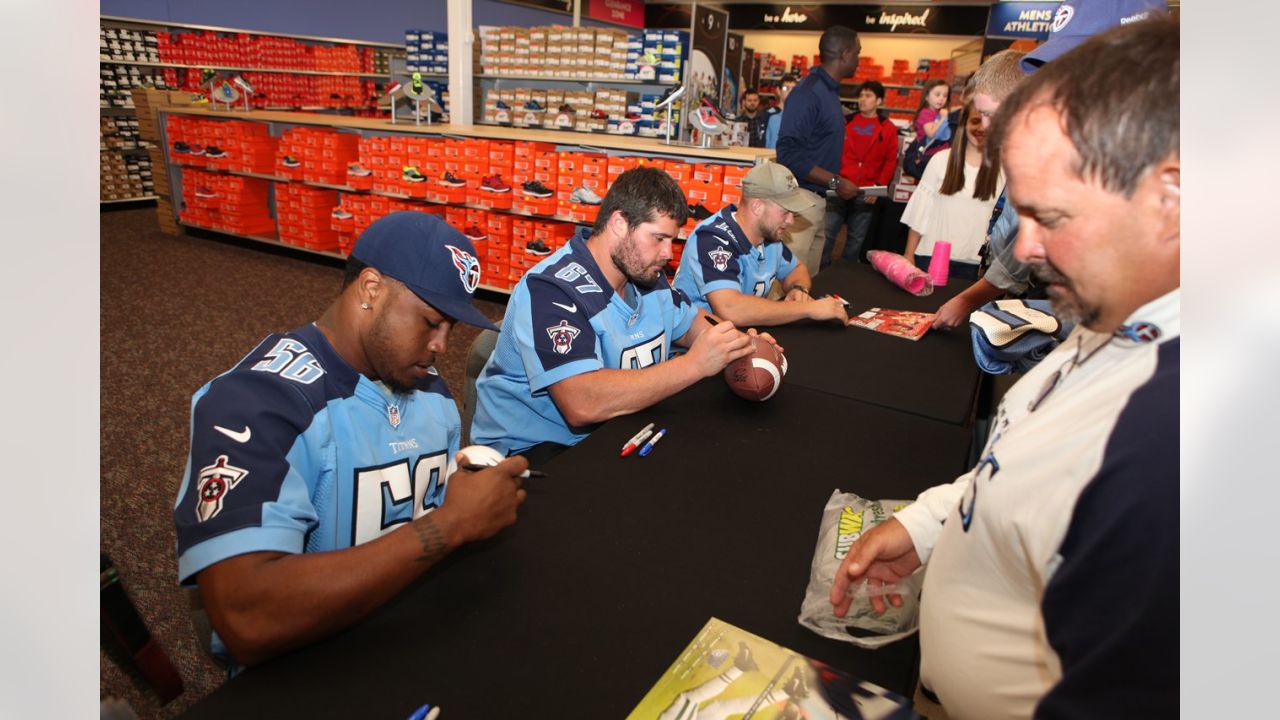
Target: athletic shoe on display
<point x="204" y="192"/>
<point x="567" y="109"/>
<point x="495" y="184"/>
<point x="537" y="247"/>
<point x="358" y="170"/>
<point x="698" y="212"/>
<point x="533" y="106"/>
<point x="599" y="115"/>
<point x="415" y="84"/>
<point x="533" y="188"/>
<point x="475" y="234"/>
<point x="214" y="151"/>
<point x="648" y="58"/>
<point x="181" y="147"/>
<point x="340" y="214"/>
<point x="672" y="93"/>
<point x="291" y="162"/>
<point x="585" y="196"/>
<point x="450" y="181"/>
<point x="411" y="174"/>
<point x="633" y="116"/>
<point x="197" y="149"/>
<point x="503" y="106"/>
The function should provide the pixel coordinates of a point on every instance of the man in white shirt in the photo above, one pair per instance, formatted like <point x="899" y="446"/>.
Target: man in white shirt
<point x="1052" y="588"/>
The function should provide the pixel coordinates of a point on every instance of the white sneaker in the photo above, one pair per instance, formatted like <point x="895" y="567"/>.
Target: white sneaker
<point x="585" y="196"/>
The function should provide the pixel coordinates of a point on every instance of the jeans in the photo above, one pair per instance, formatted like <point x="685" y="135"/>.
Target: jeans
<point x="858" y="214"/>
<point x="956" y="269"/>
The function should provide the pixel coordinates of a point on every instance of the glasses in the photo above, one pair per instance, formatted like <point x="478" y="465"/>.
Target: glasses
<point x="1055" y="380"/>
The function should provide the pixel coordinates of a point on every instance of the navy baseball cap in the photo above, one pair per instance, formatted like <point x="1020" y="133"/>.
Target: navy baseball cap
<point x="1078" y="20"/>
<point x="430" y="257"/>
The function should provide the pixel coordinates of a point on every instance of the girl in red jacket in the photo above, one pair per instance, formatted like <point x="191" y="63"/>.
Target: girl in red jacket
<point x="870" y="157"/>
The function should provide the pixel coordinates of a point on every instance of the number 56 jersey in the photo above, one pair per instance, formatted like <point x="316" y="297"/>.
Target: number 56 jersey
<point x="294" y="451"/>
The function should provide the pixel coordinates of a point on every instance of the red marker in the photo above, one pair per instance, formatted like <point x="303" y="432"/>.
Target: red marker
<point x="636" y="440"/>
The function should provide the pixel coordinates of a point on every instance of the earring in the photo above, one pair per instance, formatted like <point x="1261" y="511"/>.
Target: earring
<point x="364" y="306"/>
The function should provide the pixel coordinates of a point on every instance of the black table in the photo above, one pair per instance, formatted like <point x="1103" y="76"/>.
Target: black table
<point x="615" y="564"/>
<point x="935" y="377"/>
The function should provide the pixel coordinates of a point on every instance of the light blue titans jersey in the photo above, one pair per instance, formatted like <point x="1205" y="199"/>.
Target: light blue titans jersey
<point x="718" y="256"/>
<point x="294" y="451"/>
<point x="564" y="319"/>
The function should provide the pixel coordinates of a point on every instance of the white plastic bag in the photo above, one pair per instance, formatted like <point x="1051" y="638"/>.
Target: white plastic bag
<point x="845" y="518"/>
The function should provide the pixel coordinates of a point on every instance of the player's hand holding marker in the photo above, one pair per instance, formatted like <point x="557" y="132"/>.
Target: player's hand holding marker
<point x="479" y="503"/>
<point x="717" y="346"/>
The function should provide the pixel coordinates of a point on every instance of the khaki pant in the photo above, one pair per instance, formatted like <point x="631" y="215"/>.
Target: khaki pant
<point x="808" y="234"/>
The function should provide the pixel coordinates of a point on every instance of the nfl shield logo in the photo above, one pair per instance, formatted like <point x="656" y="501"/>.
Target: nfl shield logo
<point x="393" y="415"/>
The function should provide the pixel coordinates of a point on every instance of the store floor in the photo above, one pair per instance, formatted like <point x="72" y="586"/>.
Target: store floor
<point x="175" y="312"/>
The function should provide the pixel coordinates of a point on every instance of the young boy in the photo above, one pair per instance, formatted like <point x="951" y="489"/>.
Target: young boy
<point x="870" y="156"/>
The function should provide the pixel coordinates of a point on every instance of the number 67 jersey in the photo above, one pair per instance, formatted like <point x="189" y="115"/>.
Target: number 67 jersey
<point x="294" y="451"/>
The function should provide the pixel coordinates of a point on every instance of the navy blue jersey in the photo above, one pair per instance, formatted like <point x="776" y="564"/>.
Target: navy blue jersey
<point x="718" y="256"/>
<point x="294" y="451"/>
<point x="564" y="319"/>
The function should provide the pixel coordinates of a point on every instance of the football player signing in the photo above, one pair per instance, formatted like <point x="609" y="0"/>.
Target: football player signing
<point x="733" y="257"/>
<point x="588" y="331"/>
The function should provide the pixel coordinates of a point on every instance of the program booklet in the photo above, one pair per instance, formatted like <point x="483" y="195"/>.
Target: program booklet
<point x="899" y="323"/>
<point x="727" y="672"/>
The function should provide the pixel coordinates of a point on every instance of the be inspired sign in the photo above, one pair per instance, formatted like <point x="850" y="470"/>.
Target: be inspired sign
<point x="888" y="19"/>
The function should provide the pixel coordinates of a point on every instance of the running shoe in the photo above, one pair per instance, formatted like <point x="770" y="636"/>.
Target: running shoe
<point x="495" y="184"/>
<point x="450" y="181"/>
<point x="341" y="214"/>
<point x="633" y="116"/>
<point x="358" y="170"/>
<point x="204" y="192"/>
<point x="475" y="234"/>
<point x="533" y="106"/>
<point x="411" y="174"/>
<point x="599" y="115"/>
<point x="567" y="109"/>
<point x="585" y="196"/>
<point x="214" y="151"/>
<point x="698" y="212"/>
<point x="503" y="106"/>
<point x="197" y="149"/>
<point x="415" y="84"/>
<point x="537" y="247"/>
<point x="181" y="147"/>
<point x="533" y="188"/>
<point x="648" y="58"/>
<point x="291" y="162"/>
<point x="672" y="93"/>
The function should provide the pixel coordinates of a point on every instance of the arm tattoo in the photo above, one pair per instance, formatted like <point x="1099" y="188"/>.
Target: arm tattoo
<point x="433" y="544"/>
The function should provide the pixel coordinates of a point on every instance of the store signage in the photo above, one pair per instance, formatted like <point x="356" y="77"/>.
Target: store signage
<point x="564" y="6"/>
<point x="619" y="12"/>
<point x="1021" y="20"/>
<point x="890" y="19"/>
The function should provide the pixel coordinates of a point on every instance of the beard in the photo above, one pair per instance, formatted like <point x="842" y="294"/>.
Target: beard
<point x="380" y="349"/>
<point x="1067" y="304"/>
<point x="626" y="257"/>
<point x="776" y="234"/>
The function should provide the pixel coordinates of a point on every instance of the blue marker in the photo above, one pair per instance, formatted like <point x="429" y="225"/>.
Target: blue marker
<point x="426" y="712"/>
<point x="648" y="447"/>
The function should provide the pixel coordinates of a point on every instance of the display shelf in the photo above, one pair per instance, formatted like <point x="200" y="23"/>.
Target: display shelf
<point x="214" y="28"/>
<point x="629" y="144"/>
<point x="578" y="80"/>
<point x="140" y="198"/>
<point x="327" y="73"/>
<point x="265" y="241"/>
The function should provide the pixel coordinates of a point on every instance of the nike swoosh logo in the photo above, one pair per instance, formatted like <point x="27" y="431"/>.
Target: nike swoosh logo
<point x="722" y="240"/>
<point x="240" y="437"/>
<point x="571" y="308"/>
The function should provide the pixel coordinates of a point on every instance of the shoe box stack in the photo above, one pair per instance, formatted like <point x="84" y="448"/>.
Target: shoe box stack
<point x="556" y="51"/>
<point x="304" y="215"/>
<point x="358" y="211"/>
<point x="230" y="203"/>
<point x="662" y="56"/>
<point x="228" y="145"/>
<point x="771" y="66"/>
<point x="121" y="43"/>
<point x="245" y="50"/>
<point x="116" y="82"/>
<point x="281" y="90"/>
<point x="508" y="246"/>
<point x="426" y="51"/>
<point x="317" y="155"/>
<point x="122" y="177"/>
<point x="534" y="171"/>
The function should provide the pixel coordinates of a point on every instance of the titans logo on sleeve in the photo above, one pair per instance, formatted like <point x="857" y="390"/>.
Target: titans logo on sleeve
<point x="294" y="451"/>
<point x="718" y="256"/>
<point x="564" y="320"/>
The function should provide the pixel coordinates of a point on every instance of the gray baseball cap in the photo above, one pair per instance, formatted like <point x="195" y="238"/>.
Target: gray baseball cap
<point x="771" y="181"/>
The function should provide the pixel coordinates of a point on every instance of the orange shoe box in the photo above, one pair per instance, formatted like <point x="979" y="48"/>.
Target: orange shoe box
<point x="708" y="172"/>
<point x="680" y="172"/>
<point x="733" y="175"/>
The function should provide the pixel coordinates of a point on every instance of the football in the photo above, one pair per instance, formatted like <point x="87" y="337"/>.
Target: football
<point x="758" y="375"/>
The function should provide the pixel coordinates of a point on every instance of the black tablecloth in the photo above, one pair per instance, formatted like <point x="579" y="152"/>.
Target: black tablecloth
<point x="616" y="563"/>
<point x="935" y="376"/>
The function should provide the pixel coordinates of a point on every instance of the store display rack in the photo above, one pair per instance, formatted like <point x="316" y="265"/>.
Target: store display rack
<point x="279" y="122"/>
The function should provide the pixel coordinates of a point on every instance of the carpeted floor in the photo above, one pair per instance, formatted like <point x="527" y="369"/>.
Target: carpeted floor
<point x="175" y="312"/>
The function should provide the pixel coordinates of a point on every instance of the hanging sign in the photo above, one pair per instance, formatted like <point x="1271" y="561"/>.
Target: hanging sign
<point x="888" y="19"/>
<point x="620" y="12"/>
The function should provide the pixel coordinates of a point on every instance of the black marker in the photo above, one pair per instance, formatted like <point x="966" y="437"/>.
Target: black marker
<point x="473" y="467"/>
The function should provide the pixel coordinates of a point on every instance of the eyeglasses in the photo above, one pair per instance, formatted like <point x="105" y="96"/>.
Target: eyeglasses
<point x="1055" y="380"/>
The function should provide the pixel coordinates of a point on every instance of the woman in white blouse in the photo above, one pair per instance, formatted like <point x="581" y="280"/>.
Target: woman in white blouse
<point x="954" y="201"/>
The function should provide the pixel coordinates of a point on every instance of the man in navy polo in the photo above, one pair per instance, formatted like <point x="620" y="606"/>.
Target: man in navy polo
<point x="811" y="138"/>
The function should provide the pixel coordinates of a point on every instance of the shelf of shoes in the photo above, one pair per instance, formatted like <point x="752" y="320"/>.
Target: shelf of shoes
<point x="124" y="169"/>
<point x="523" y="190"/>
<point x="580" y="54"/>
<point x="607" y="110"/>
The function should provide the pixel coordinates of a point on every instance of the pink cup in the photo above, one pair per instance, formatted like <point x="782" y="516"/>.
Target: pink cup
<point x="940" y="262"/>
